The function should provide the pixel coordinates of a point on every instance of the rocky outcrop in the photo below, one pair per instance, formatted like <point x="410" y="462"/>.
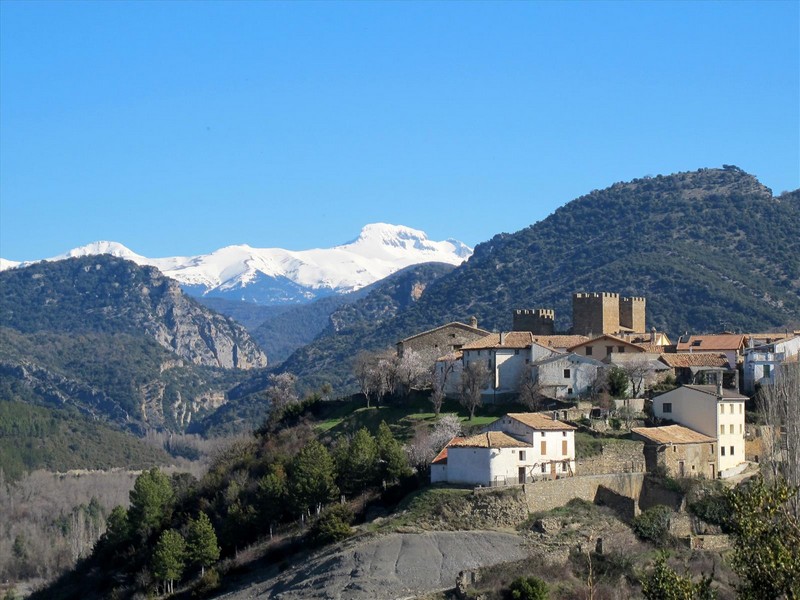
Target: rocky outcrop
<point x="400" y="565"/>
<point x="113" y="295"/>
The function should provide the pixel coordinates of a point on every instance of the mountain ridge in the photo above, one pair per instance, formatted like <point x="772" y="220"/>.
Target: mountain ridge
<point x="710" y="249"/>
<point x="278" y="276"/>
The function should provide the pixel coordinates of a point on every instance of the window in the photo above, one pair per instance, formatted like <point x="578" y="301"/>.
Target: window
<point x="522" y="454"/>
<point x="564" y="447"/>
<point x="543" y="448"/>
<point x="740" y="428"/>
<point x="621" y="348"/>
<point x="569" y="391"/>
<point x="564" y="433"/>
<point x="722" y="429"/>
<point x="722" y="450"/>
<point x="566" y="373"/>
<point x="544" y="468"/>
<point x="543" y="434"/>
<point x="740" y="407"/>
<point x="731" y="450"/>
<point x="722" y="409"/>
<point x="479" y="352"/>
<point x="730" y="428"/>
<point x="609" y="350"/>
<point x="667" y="407"/>
<point x="767" y="369"/>
<point x="730" y="408"/>
<point x="588" y="350"/>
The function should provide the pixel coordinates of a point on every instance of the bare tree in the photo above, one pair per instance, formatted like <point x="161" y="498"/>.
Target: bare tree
<point x="637" y="371"/>
<point x="440" y="375"/>
<point x="364" y="370"/>
<point x="281" y="391"/>
<point x="530" y="391"/>
<point x="780" y="405"/>
<point x="474" y="378"/>
<point x="427" y="442"/>
<point x="410" y="371"/>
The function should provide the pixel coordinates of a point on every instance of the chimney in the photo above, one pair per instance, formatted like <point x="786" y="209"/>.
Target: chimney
<point x="652" y="335"/>
<point x="502" y="338"/>
<point x="719" y="385"/>
<point x="473" y="322"/>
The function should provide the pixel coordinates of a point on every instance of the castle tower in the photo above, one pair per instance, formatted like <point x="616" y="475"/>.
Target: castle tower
<point x="595" y="313"/>
<point x="539" y="321"/>
<point x="632" y="313"/>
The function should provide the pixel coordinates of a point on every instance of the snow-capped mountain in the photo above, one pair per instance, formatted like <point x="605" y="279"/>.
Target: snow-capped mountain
<point x="277" y="276"/>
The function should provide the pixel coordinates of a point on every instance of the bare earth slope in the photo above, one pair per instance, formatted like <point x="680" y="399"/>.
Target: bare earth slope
<point x="399" y="565"/>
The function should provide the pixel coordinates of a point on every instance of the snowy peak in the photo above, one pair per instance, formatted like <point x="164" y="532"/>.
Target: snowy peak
<point x="267" y="273"/>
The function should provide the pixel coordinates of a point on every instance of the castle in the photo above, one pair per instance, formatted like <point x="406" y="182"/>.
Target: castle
<point x="593" y="313"/>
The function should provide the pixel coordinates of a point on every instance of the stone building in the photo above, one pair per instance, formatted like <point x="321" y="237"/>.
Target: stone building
<point x="442" y="340"/>
<point x="678" y="451"/>
<point x="596" y="313"/>
<point x="539" y="321"/>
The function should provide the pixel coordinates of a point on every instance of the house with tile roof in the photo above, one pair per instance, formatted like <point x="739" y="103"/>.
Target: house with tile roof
<point x="507" y="356"/>
<point x="678" y="451"/>
<point x="517" y="448"/>
<point x="565" y="376"/>
<point x="712" y="411"/>
<point x="730" y="344"/>
<point x="443" y="339"/>
<point x="601" y="346"/>
<point x="698" y="368"/>
<point x="762" y="362"/>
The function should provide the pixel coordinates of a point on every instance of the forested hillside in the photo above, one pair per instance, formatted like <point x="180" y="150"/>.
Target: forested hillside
<point x="710" y="249"/>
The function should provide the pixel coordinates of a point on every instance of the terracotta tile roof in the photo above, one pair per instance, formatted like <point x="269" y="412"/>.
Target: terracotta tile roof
<point x="452" y="356"/>
<point x="712" y="389"/>
<point x="490" y="439"/>
<point x="441" y="458"/>
<point x="710" y="343"/>
<point x="696" y="359"/>
<point x="648" y="347"/>
<point x="540" y="421"/>
<point x="511" y="339"/>
<point x="611" y="338"/>
<point x="559" y="341"/>
<point x="457" y="324"/>
<point x="672" y="434"/>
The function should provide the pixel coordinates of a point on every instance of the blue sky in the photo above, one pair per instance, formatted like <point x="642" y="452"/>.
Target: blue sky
<point x="176" y="128"/>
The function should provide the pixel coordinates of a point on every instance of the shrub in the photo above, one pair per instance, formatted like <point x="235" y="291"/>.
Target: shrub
<point x="528" y="588"/>
<point x="653" y="525"/>
<point x="333" y="525"/>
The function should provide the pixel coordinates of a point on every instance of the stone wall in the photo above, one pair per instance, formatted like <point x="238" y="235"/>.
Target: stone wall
<point x="441" y="341"/>
<point x="621" y="456"/>
<point x="539" y="321"/>
<point x="549" y="494"/>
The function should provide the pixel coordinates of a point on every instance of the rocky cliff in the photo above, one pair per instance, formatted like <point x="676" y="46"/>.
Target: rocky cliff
<point x="108" y="294"/>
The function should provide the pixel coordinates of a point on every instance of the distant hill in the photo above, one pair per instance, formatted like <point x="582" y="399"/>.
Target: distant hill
<point x="711" y="249"/>
<point x="34" y="437"/>
<point x="108" y="294"/>
<point x="118" y="342"/>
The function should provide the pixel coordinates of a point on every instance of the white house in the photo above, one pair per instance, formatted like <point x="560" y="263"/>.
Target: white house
<point x="506" y="355"/>
<point x="713" y="411"/>
<point x="517" y="448"/>
<point x="760" y="362"/>
<point x="730" y="344"/>
<point x="565" y="376"/>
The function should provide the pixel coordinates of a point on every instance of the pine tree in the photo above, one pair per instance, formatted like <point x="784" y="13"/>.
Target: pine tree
<point x="358" y="462"/>
<point x="169" y="558"/>
<point x="312" y="479"/>
<point x="393" y="460"/>
<point x="151" y="501"/>
<point x="202" y="542"/>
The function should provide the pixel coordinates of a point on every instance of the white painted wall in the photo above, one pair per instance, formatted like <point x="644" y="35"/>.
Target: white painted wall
<point x="550" y="375"/>
<point x="439" y="473"/>
<point x="553" y="443"/>
<point x="702" y="412"/>
<point x="771" y="355"/>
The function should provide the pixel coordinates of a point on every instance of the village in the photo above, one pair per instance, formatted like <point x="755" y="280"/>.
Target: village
<point x="684" y="404"/>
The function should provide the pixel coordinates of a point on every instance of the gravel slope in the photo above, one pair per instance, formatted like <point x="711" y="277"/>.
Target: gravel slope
<point x="400" y="565"/>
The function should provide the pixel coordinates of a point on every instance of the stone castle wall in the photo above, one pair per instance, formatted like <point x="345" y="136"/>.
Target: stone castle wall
<point x="539" y="321"/>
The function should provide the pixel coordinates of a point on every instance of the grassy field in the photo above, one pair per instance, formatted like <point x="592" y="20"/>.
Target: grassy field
<point x="402" y="417"/>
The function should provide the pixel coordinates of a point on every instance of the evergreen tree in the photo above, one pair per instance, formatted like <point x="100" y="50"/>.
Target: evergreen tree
<point x="169" y="558"/>
<point x="665" y="584"/>
<point x="151" y="501"/>
<point x="393" y="460"/>
<point x="118" y="528"/>
<point x="202" y="542"/>
<point x="358" y="462"/>
<point x="312" y="479"/>
<point x="271" y="495"/>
